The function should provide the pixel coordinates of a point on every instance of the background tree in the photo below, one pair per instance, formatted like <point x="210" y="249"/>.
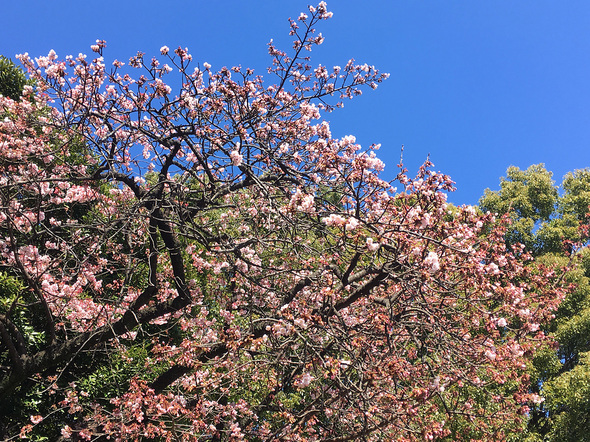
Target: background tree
<point x="12" y="79"/>
<point x="553" y="226"/>
<point x="214" y="265"/>
<point x="529" y="198"/>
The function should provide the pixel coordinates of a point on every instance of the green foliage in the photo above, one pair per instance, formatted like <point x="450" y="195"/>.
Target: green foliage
<point x="18" y="303"/>
<point x="107" y="375"/>
<point x="576" y="198"/>
<point x="568" y="399"/>
<point x="549" y="225"/>
<point x="464" y="428"/>
<point x="12" y="79"/>
<point x="10" y="289"/>
<point x="111" y="377"/>
<point x="551" y="235"/>
<point x="529" y="197"/>
<point x="530" y="194"/>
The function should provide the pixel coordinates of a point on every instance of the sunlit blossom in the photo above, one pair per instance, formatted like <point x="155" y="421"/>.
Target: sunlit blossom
<point x="431" y="262"/>
<point x="303" y="381"/>
<point x="236" y="158"/>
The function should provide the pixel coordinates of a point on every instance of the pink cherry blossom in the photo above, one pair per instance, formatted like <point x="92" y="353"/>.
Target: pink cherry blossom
<point x="236" y="158"/>
<point x="245" y="274"/>
<point x="304" y="380"/>
<point x="431" y="262"/>
<point x="372" y="245"/>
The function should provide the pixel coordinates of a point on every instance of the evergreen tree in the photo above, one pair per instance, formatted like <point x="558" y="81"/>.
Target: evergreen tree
<point x="12" y="79"/>
<point x="551" y="225"/>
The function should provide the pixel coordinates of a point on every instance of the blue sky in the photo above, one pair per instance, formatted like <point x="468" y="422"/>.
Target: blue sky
<point x="477" y="85"/>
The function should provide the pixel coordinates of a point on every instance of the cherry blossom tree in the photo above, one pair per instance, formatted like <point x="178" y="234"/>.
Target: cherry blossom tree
<point x="211" y="264"/>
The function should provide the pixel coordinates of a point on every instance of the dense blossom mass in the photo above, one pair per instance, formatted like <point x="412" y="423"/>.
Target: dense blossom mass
<point x="190" y="255"/>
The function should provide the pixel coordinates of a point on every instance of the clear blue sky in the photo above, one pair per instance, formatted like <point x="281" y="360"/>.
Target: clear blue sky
<point x="478" y="85"/>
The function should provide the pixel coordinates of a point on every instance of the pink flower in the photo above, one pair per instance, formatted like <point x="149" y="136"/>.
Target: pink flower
<point x="164" y="50"/>
<point x="66" y="432"/>
<point x="334" y="220"/>
<point x="36" y="419"/>
<point x="304" y="381"/>
<point x="490" y="354"/>
<point x="300" y="323"/>
<point x="302" y="202"/>
<point x="431" y="262"/>
<point x="501" y="322"/>
<point x="352" y="224"/>
<point x="236" y="158"/>
<point x="372" y="245"/>
<point x="25" y="430"/>
<point x="493" y="269"/>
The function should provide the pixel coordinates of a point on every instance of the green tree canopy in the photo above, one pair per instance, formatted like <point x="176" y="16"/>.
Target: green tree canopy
<point x="549" y="223"/>
<point x="529" y="197"/>
<point x="12" y="79"/>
